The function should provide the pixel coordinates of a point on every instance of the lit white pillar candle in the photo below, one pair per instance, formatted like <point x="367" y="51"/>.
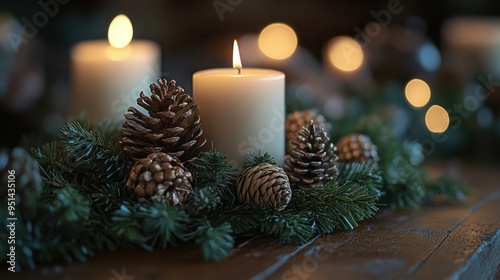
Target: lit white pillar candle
<point x="106" y="78"/>
<point x="242" y="109"/>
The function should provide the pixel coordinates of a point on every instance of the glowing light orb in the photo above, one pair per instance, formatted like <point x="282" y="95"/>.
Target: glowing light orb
<point x="437" y="119"/>
<point x="278" y="41"/>
<point x="345" y="53"/>
<point x="417" y="92"/>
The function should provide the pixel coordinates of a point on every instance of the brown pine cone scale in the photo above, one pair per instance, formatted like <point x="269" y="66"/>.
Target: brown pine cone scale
<point x="357" y="148"/>
<point x="312" y="161"/>
<point x="161" y="177"/>
<point x="298" y="119"/>
<point x="264" y="185"/>
<point x="172" y="124"/>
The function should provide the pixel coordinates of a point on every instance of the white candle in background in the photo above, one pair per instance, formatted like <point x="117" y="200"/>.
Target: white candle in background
<point x="242" y="109"/>
<point x="107" y="77"/>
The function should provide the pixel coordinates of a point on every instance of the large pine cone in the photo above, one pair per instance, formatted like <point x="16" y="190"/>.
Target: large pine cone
<point x="173" y="125"/>
<point x="161" y="177"/>
<point x="313" y="161"/>
<point x="265" y="185"/>
<point x="19" y="171"/>
<point x="357" y="148"/>
<point x="298" y="119"/>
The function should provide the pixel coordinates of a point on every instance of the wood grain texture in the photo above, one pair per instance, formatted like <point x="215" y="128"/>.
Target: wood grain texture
<point x="445" y="241"/>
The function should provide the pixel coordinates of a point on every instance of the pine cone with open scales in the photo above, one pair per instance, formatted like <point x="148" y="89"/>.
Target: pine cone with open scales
<point x="313" y="160"/>
<point x="264" y="185"/>
<point x="172" y="126"/>
<point x="357" y="148"/>
<point x="161" y="177"/>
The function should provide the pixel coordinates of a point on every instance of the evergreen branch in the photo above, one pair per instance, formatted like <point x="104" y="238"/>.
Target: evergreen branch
<point x="216" y="243"/>
<point x="355" y="171"/>
<point x="341" y="204"/>
<point x="33" y="246"/>
<point x="212" y="168"/>
<point x="258" y="158"/>
<point x="404" y="184"/>
<point x="162" y="223"/>
<point x="52" y="181"/>
<point x="363" y="173"/>
<point x="68" y="251"/>
<point x="446" y="187"/>
<point x="106" y="198"/>
<point x="65" y="217"/>
<point x="85" y="194"/>
<point x="71" y="208"/>
<point x="338" y="205"/>
<point x="407" y="183"/>
<point x="95" y="151"/>
<point x="52" y="158"/>
<point x="148" y="224"/>
<point x="290" y="226"/>
<point x="203" y="200"/>
<point x="243" y="219"/>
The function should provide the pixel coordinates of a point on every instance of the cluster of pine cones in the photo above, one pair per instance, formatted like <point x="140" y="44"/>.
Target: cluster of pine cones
<point x="311" y="162"/>
<point x="169" y="134"/>
<point x="312" y="159"/>
<point x="161" y="141"/>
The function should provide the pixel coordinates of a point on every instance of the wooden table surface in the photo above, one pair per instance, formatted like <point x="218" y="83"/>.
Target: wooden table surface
<point x="456" y="241"/>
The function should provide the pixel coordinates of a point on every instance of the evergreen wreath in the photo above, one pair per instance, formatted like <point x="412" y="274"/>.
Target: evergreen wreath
<point x="84" y="207"/>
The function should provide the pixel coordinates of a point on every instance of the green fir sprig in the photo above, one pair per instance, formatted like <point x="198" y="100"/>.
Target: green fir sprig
<point x="258" y="158"/>
<point x="97" y="151"/>
<point x="406" y="182"/>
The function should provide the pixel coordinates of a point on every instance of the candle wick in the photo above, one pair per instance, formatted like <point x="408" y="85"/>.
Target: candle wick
<point x="239" y="70"/>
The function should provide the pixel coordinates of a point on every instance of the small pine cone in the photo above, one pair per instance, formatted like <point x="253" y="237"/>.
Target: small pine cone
<point x="19" y="170"/>
<point x="357" y="148"/>
<point x="265" y="185"/>
<point x="172" y="126"/>
<point x="298" y="119"/>
<point x="313" y="161"/>
<point x="161" y="177"/>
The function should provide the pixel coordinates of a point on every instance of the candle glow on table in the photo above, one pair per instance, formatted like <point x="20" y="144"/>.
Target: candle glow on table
<point x="107" y="77"/>
<point x="242" y="109"/>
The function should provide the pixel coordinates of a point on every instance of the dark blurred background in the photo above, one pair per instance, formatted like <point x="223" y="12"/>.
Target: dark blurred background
<point x="454" y="46"/>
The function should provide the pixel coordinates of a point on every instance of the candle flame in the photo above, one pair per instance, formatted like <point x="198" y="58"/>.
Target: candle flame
<point x="236" y="57"/>
<point x="120" y="32"/>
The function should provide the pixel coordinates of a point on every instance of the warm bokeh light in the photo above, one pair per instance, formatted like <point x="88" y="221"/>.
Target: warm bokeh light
<point x="437" y="119"/>
<point x="236" y="56"/>
<point x="120" y="32"/>
<point x="278" y="41"/>
<point x="345" y="53"/>
<point x="417" y="92"/>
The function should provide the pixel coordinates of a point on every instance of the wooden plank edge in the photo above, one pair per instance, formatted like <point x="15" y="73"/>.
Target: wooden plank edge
<point x="282" y="261"/>
<point x="480" y="262"/>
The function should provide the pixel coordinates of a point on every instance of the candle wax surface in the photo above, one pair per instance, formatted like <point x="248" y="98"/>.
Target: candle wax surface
<point x="106" y="80"/>
<point x="242" y="113"/>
